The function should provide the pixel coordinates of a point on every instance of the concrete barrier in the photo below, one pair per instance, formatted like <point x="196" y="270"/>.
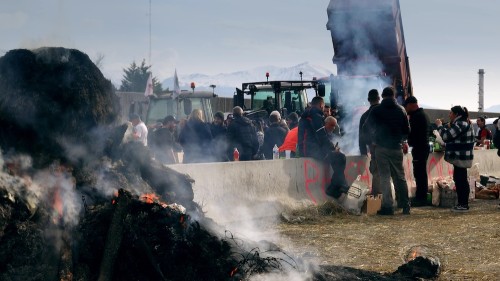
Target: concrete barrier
<point x="233" y="191"/>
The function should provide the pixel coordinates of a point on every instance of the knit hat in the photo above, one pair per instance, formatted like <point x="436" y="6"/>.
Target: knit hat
<point x="219" y="115"/>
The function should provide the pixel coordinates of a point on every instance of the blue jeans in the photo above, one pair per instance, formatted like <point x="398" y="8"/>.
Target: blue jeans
<point x="390" y="165"/>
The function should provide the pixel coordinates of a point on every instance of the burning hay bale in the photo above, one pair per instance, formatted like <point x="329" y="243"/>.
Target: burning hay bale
<point x="419" y="267"/>
<point x="125" y="237"/>
<point x="77" y="203"/>
<point x="52" y="101"/>
<point x="144" y="240"/>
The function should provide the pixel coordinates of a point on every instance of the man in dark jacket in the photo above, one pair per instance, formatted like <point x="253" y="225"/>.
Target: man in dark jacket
<point x="333" y="156"/>
<point x="496" y="139"/>
<point x="196" y="138"/>
<point x="164" y="141"/>
<point x="365" y="140"/>
<point x="241" y="134"/>
<point x="273" y="135"/>
<point x="310" y="122"/>
<point x="418" y="139"/>
<point x="219" y="138"/>
<point x="389" y="124"/>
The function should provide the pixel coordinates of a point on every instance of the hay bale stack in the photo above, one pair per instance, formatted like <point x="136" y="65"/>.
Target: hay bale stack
<point x="52" y="99"/>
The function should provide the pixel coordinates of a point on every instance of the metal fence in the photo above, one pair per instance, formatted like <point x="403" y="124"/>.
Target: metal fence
<point x="225" y="104"/>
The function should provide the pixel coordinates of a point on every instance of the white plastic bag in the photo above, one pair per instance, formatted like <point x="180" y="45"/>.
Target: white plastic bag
<point x="356" y="197"/>
<point x="439" y="139"/>
<point x="472" y="191"/>
<point x="474" y="172"/>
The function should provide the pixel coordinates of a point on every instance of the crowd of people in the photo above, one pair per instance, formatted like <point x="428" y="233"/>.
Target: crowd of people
<point x="216" y="142"/>
<point x="386" y="131"/>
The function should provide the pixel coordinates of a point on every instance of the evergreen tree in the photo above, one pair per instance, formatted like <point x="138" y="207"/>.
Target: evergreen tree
<point x="135" y="78"/>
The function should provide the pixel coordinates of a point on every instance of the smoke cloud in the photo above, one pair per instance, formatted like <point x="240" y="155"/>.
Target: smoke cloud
<point x="361" y="34"/>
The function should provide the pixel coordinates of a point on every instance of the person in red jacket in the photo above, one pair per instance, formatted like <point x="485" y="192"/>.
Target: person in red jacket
<point x="484" y="133"/>
<point x="290" y="142"/>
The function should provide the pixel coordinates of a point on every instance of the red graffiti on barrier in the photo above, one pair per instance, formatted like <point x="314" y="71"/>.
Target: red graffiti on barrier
<point x="439" y="164"/>
<point x="353" y="169"/>
<point x="326" y="179"/>
<point x="438" y="167"/>
<point x="323" y="176"/>
<point x="408" y="169"/>
<point x="308" y="181"/>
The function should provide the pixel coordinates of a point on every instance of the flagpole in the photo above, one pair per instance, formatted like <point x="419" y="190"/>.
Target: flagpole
<point x="177" y="89"/>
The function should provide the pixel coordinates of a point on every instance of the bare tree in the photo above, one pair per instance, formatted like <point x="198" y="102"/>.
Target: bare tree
<point x="98" y="60"/>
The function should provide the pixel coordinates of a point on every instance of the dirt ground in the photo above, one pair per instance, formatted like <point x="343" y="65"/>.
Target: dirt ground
<point x="467" y="245"/>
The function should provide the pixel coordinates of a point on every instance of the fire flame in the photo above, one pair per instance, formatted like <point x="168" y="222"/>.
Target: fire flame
<point x="233" y="271"/>
<point x="413" y="255"/>
<point x="57" y="205"/>
<point x="150" y="198"/>
<point x="113" y="201"/>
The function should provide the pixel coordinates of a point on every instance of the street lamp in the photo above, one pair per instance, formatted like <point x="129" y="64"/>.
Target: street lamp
<point x="213" y="89"/>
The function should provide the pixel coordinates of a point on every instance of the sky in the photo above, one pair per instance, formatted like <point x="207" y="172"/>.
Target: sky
<point x="447" y="41"/>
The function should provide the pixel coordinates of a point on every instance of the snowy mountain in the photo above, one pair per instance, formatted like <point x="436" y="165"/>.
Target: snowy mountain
<point x="493" y="108"/>
<point x="226" y="83"/>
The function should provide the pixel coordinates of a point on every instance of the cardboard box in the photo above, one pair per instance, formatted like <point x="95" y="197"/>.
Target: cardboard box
<point x="373" y="204"/>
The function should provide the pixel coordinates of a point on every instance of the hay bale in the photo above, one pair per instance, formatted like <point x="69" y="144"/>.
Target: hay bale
<point x="52" y="100"/>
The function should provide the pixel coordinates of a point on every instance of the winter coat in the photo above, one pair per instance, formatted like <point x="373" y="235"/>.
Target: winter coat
<point x="364" y="136"/>
<point x="241" y="134"/>
<point x="483" y="132"/>
<point x="274" y="135"/>
<point x="459" y="142"/>
<point x="326" y="145"/>
<point x="419" y="134"/>
<point x="496" y="140"/>
<point x="388" y="123"/>
<point x="310" y="121"/>
<point x="196" y="138"/>
<point x="290" y="142"/>
<point x="219" y="143"/>
<point x="164" y="143"/>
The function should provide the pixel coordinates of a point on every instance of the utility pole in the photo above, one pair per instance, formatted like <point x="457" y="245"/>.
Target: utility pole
<point x="150" y="32"/>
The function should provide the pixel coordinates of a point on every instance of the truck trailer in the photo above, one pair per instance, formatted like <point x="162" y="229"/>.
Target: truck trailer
<point x="369" y="51"/>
